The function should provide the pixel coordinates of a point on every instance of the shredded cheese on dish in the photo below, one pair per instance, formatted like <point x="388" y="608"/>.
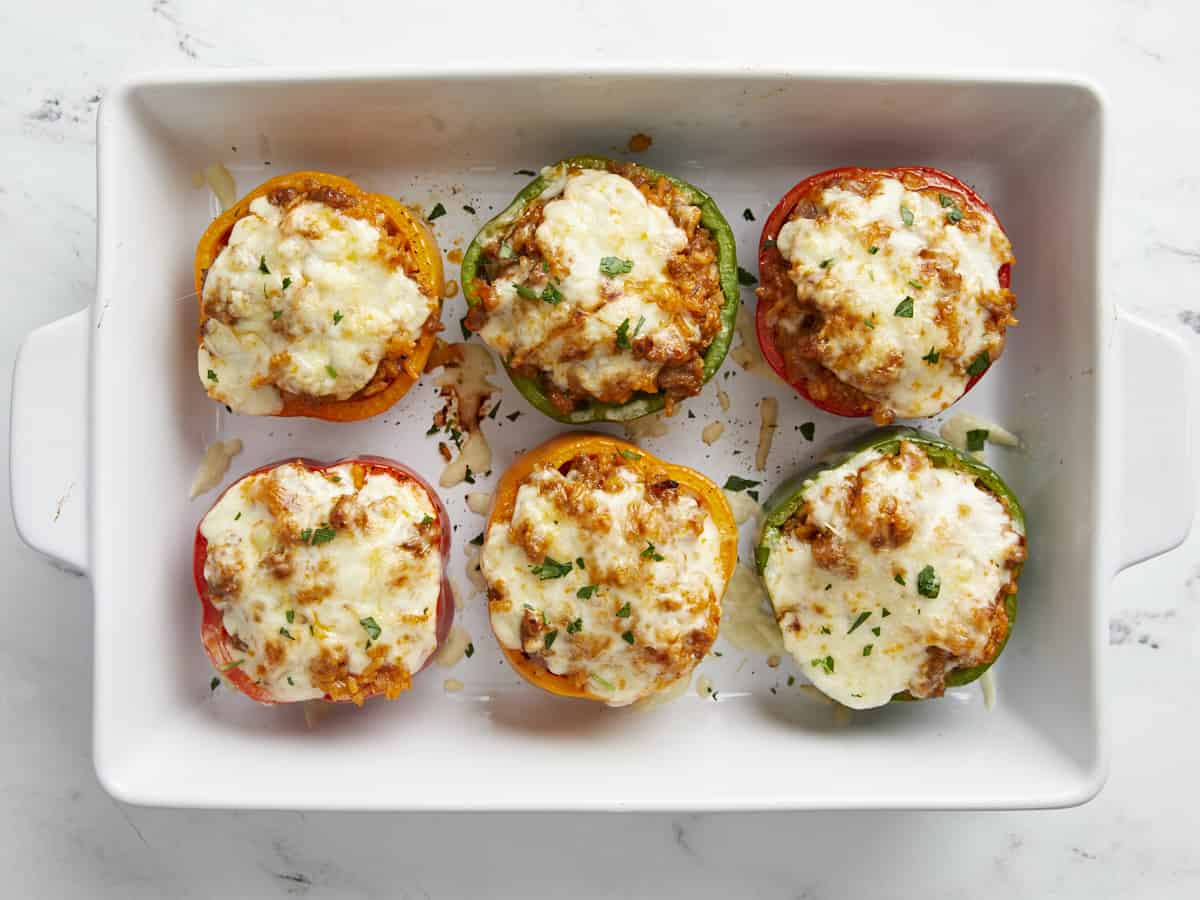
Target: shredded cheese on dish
<point x="607" y="580"/>
<point x="910" y="295"/>
<point x="327" y="581"/>
<point x="893" y="574"/>
<point x="306" y="300"/>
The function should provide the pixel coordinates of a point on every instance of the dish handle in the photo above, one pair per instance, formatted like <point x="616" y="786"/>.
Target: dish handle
<point x="1157" y="469"/>
<point x="48" y="441"/>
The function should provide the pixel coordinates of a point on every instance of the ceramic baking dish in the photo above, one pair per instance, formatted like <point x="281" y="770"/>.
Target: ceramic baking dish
<point x="109" y="422"/>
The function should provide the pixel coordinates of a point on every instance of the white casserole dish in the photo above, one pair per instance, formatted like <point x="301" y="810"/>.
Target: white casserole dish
<point x="109" y="423"/>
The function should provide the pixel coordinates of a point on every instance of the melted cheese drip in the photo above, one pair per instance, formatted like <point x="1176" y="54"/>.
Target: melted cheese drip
<point x="964" y="533"/>
<point x="869" y="287"/>
<point x="594" y="215"/>
<point x="333" y="586"/>
<point x="321" y="336"/>
<point x="688" y="577"/>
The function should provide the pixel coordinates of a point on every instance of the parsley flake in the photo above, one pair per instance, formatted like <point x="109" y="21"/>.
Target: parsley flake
<point x="825" y="629"/>
<point x="932" y="356"/>
<point x="736" y="484"/>
<point x="436" y="213"/>
<point x="899" y="579"/>
<point x="548" y="638"/>
<point x="322" y="535"/>
<point x="904" y="309"/>
<point x="506" y="251"/>
<point x="624" y="611"/>
<point x="747" y="215"/>
<point x="287" y="283"/>
<point x="468" y="209"/>
<point x="332" y="372"/>
<point x="214" y="684"/>
<point x="212" y="376"/>
<point x="906" y="215"/>
<point x="872" y="249"/>
<point x="808" y="429"/>
<point x="928" y="583"/>
<point x="875" y="631"/>
<point x="477" y="540"/>
<point x="585" y="592"/>
<point x="337" y="316"/>
<point x="886" y="612"/>
<point x="651" y="553"/>
<point x="275" y="314"/>
<point x="262" y="265"/>
<point x="826" y="263"/>
<point x="371" y="627"/>
<point x="629" y="454"/>
<point x="232" y="665"/>
<point x="627" y="637"/>
<point x="470" y="651"/>
<point x="623" y="335"/>
<point x="825" y="663"/>
<point x="745" y="278"/>
<point x="862" y="617"/>
<point x="575" y="627"/>
<point x="529" y="172"/>
<point x="979" y="364"/>
<point x="550" y="568"/>
<point x="867" y="648"/>
<point x="290" y="615"/>
<point x="287" y="634"/>
<point x="614" y="265"/>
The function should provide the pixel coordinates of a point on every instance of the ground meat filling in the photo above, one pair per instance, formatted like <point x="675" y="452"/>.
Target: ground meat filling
<point x="806" y="336"/>
<point x="396" y="249"/>
<point x="695" y="300"/>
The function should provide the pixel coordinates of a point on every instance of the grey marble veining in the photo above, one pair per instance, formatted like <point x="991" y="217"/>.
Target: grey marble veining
<point x="64" y="837"/>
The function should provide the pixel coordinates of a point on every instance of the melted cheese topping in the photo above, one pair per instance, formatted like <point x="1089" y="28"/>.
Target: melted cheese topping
<point x="949" y="274"/>
<point x="595" y="215"/>
<point x="345" y="307"/>
<point x="643" y="608"/>
<point x="319" y="577"/>
<point x="880" y="520"/>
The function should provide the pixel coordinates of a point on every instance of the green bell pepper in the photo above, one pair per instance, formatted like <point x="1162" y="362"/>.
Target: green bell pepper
<point x="641" y="403"/>
<point x="789" y="497"/>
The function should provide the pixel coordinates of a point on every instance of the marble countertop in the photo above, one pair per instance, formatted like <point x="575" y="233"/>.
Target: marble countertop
<point x="66" y="837"/>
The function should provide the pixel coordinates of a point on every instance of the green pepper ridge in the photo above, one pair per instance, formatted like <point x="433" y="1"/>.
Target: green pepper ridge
<point x="788" y="497"/>
<point x="641" y="403"/>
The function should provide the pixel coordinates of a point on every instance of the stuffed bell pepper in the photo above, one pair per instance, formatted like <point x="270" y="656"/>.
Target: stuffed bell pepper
<point x="324" y="581"/>
<point x="893" y="569"/>
<point x="605" y="568"/>
<point x="608" y="289"/>
<point x="885" y="292"/>
<point x="316" y="299"/>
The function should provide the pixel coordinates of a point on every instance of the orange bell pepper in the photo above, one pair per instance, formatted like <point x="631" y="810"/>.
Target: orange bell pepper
<point x="421" y="258"/>
<point x="561" y="450"/>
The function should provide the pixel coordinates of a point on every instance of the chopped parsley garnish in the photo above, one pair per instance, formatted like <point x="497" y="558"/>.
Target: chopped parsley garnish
<point x="627" y="637"/>
<point x="624" y="611"/>
<point x="468" y="209"/>
<point x="928" y="583"/>
<point x="753" y="495"/>
<point x="477" y="540"/>
<point x="875" y="631"/>
<point x="603" y="682"/>
<point x="976" y="438"/>
<point x="331" y="370"/>
<point x="371" y="627"/>
<point x="651" y="553"/>
<point x="904" y="309"/>
<point x="232" y="665"/>
<point x="872" y="249"/>
<point x="575" y="627"/>
<point x="551" y="293"/>
<point x="436" y="213"/>
<point x="825" y="663"/>
<point x="585" y="592"/>
<point x="579" y="562"/>
<point x="275" y="314"/>
<point x="932" y="356"/>
<point x="862" y="617"/>
<point x="899" y="579"/>
<point x="321" y="535"/>
<point x="946" y="200"/>
<point x="529" y="172"/>
<point x="550" y="568"/>
<point x="906" y="215"/>
<point x="466" y="332"/>
<point x="867" y="648"/>
<point x="979" y="364"/>
<point x="747" y="215"/>
<point x="337" y="316"/>
<point x="433" y="429"/>
<point x="290" y="615"/>
<point x="494" y="410"/>
<point x="629" y="454"/>
<point x="735" y="484"/>
<point x="214" y="684"/>
<point x="954" y="216"/>
<point x="548" y="638"/>
<point x="745" y="278"/>
<point x="791" y="680"/>
<point x="426" y="519"/>
<point x="212" y="376"/>
<point x="916" y="284"/>
<point x="825" y="629"/>
<point x="523" y="290"/>
<point x="886" y="612"/>
<point x="469" y="477"/>
<point x="638" y="327"/>
<point x="292" y="683"/>
<point x="614" y="265"/>
<point x="287" y="634"/>
<point x="238" y="516"/>
<point x="262" y="265"/>
<point x="623" y="335"/>
<point x="826" y="263"/>
<point x="470" y="651"/>
<point x="808" y="429"/>
<point x="506" y="251"/>
<point x="512" y="417"/>
<point x="762" y="554"/>
<point x="287" y="283"/>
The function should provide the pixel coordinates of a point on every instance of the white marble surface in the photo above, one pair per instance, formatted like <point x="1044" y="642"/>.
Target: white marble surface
<point x="62" y="836"/>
